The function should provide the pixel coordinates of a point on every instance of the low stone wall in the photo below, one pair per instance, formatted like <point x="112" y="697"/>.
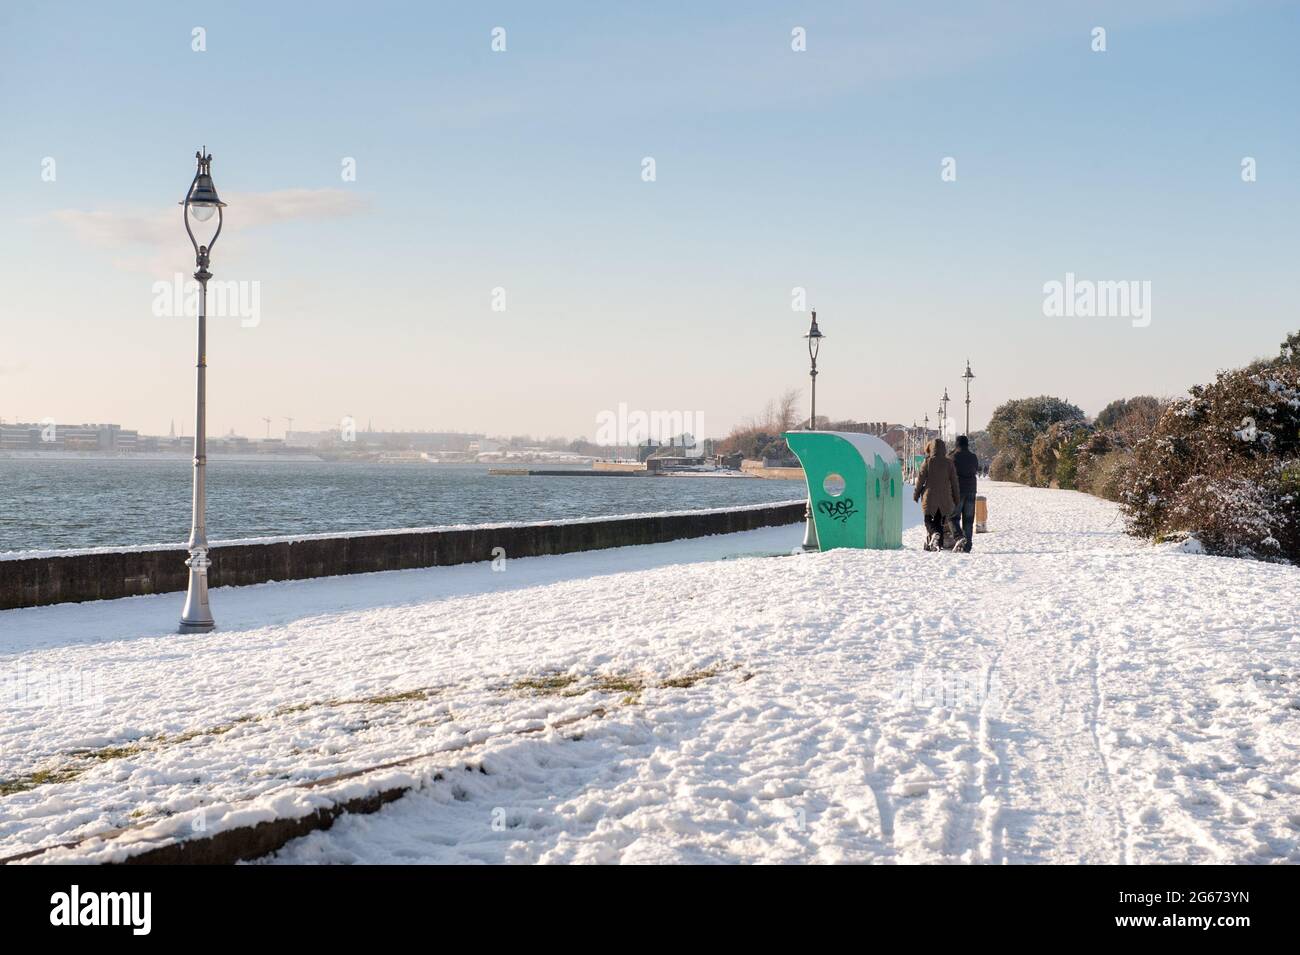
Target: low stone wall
<point x="106" y="575"/>
<point x="759" y="469"/>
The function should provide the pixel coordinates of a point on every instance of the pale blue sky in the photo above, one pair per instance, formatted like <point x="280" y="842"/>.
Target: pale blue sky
<point x="522" y="170"/>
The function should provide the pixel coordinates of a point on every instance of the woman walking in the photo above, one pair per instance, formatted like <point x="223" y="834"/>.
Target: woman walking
<point x="937" y="490"/>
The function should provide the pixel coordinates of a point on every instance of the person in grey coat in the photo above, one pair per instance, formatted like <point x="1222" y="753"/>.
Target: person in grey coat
<point x="936" y="489"/>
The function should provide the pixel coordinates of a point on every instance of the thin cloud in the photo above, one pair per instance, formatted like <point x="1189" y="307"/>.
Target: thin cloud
<point x="158" y="229"/>
<point x="285" y="205"/>
<point x="113" y="229"/>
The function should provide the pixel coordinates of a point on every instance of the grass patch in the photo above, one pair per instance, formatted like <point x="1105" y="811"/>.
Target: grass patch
<point x="218" y="730"/>
<point x="629" y="684"/>
<point x="115" y="752"/>
<point x="83" y="758"/>
<point x="407" y="697"/>
<point x="688" y="680"/>
<point x="294" y="708"/>
<point x="619" y="684"/>
<point x="41" y="777"/>
<point x="549" y="684"/>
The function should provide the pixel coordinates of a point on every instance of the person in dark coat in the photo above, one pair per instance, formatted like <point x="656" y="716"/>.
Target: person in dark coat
<point x="936" y="489"/>
<point x="967" y="465"/>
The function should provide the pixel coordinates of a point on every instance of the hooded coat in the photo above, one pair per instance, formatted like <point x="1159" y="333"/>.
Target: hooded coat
<point x="936" y="485"/>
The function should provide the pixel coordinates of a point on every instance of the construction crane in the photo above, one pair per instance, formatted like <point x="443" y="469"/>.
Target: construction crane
<point x="268" y="428"/>
<point x="290" y="428"/>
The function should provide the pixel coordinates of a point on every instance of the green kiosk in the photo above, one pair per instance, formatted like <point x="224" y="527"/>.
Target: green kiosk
<point x="855" y="487"/>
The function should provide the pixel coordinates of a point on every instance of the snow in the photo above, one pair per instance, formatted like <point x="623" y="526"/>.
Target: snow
<point x="1062" y="694"/>
<point x="867" y="445"/>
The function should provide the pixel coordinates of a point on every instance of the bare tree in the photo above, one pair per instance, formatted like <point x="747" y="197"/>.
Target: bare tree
<point x="787" y="411"/>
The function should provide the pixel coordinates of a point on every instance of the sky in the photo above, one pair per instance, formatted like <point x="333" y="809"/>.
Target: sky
<point x="501" y="261"/>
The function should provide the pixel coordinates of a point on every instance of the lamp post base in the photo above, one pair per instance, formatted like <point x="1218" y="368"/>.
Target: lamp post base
<point x="197" y="615"/>
<point x="810" y="541"/>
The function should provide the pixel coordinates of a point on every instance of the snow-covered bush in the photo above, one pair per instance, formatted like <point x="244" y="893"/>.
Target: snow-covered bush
<point x="1089" y="457"/>
<point x="1107" y="474"/>
<point x="1103" y="459"/>
<point x="1014" y="428"/>
<point x="1130" y="420"/>
<point x="1005" y="467"/>
<point x="1236" y="516"/>
<point x="1223" y="466"/>
<point x="1054" y="454"/>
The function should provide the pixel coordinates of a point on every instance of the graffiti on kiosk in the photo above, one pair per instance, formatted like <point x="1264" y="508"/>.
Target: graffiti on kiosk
<point x="838" y="510"/>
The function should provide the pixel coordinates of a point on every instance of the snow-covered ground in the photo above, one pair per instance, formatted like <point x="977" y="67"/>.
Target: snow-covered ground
<point x="1063" y="694"/>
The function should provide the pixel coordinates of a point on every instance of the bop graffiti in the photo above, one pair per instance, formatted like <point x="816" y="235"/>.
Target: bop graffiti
<point x="838" y="510"/>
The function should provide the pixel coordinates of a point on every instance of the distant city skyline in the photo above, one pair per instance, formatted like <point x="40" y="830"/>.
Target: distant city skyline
<point x="438" y="227"/>
<point x="176" y="431"/>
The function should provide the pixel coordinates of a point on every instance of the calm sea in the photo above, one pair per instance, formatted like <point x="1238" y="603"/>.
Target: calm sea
<point x="113" y="501"/>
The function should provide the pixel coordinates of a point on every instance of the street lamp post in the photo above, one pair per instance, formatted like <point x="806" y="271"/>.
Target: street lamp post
<point x="944" y="404"/>
<point x="200" y="202"/>
<point x="814" y="338"/>
<point x="967" y="377"/>
<point x="911" y="449"/>
<point x="941" y="421"/>
<point x="925" y="436"/>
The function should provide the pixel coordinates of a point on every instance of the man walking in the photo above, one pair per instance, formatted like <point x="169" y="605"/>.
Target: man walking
<point x="963" y="518"/>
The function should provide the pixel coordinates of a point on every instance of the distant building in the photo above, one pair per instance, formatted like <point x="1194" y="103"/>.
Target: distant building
<point x="878" y="428"/>
<point x="369" y="440"/>
<point x="51" y="436"/>
<point x="231" y="444"/>
<point x="20" y="437"/>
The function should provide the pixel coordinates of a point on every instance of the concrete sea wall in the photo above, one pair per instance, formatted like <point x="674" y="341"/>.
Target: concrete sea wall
<point x="99" y="574"/>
